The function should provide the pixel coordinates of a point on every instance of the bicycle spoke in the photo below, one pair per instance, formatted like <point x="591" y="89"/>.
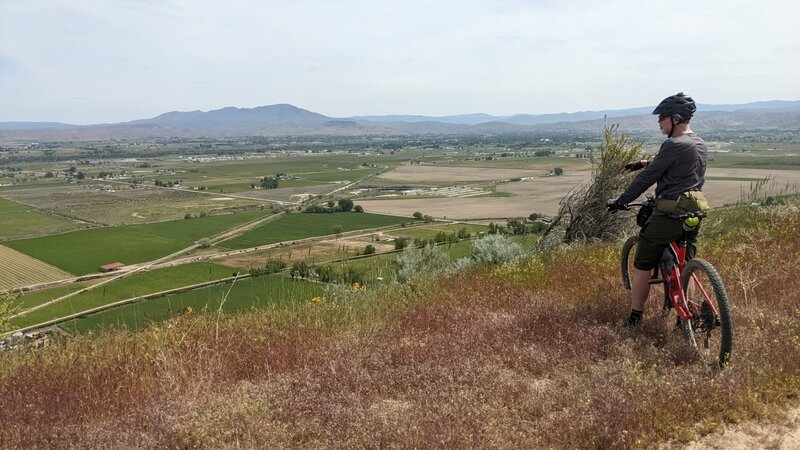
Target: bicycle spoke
<point x="709" y="330"/>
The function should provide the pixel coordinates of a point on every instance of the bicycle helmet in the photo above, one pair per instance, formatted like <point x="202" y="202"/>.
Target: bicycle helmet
<point x="680" y="106"/>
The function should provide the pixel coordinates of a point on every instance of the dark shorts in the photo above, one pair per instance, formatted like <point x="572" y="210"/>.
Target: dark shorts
<point x="656" y="234"/>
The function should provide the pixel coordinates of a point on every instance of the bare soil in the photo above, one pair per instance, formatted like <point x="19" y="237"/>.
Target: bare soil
<point x="448" y="173"/>
<point x="316" y="252"/>
<point x="543" y="193"/>
<point x="754" y="435"/>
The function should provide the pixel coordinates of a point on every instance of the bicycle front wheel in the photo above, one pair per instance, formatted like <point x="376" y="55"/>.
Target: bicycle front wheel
<point x="709" y="331"/>
<point x="626" y="260"/>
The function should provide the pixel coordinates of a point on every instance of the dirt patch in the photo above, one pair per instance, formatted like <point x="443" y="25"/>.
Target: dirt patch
<point x="291" y="194"/>
<point x="420" y="173"/>
<point x="539" y="195"/>
<point x="311" y="253"/>
<point x="751" y="435"/>
<point x="542" y="195"/>
<point x="724" y="192"/>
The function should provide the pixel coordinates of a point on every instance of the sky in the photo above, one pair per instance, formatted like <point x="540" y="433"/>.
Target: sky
<point x="108" y="61"/>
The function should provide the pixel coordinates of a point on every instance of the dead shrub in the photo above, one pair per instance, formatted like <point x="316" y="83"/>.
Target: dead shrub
<point x="582" y="213"/>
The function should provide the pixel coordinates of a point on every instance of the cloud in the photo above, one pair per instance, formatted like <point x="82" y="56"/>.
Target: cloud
<point x="141" y="58"/>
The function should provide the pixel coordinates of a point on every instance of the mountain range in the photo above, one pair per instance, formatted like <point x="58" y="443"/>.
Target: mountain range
<point x="285" y="119"/>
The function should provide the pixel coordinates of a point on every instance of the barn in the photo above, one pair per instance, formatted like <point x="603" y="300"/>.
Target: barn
<point x="111" y="267"/>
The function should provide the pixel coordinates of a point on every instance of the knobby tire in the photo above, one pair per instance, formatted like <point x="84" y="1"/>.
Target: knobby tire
<point x="628" y="253"/>
<point x="696" y="330"/>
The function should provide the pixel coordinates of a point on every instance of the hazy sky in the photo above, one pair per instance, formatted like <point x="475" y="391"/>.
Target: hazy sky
<point x="93" y="61"/>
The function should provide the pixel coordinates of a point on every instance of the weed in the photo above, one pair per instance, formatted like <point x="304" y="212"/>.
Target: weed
<point x="497" y="356"/>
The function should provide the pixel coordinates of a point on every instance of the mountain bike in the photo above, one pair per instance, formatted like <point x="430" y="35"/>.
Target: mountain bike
<point x="693" y="289"/>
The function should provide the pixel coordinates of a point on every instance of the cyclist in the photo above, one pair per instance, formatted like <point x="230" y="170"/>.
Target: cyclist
<point x="678" y="170"/>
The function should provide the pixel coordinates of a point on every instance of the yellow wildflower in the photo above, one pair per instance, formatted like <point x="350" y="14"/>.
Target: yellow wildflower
<point x="316" y="300"/>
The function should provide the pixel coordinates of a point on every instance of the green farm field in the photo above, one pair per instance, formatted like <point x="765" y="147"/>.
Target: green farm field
<point x="82" y="252"/>
<point x="18" y="220"/>
<point x="123" y="206"/>
<point x="236" y="176"/>
<point x="299" y="226"/>
<point x="429" y="231"/>
<point x="132" y="286"/>
<point x="29" y="299"/>
<point x="759" y="161"/>
<point x="241" y="296"/>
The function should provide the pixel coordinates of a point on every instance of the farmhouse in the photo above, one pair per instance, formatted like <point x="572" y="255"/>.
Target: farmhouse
<point x="380" y="237"/>
<point x="111" y="267"/>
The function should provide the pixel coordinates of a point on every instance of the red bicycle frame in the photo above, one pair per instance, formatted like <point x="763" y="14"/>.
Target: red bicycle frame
<point x="672" y="281"/>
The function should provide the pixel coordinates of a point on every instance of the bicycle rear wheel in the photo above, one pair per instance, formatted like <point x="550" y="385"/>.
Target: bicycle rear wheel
<point x="626" y="260"/>
<point x="709" y="331"/>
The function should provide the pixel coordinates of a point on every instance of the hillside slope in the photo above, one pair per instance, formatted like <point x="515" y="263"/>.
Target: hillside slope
<point x="521" y="356"/>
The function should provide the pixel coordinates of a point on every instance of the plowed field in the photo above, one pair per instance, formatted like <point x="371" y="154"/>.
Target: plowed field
<point x="18" y="269"/>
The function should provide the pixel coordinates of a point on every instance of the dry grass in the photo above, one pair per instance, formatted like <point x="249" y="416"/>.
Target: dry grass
<point x="526" y="356"/>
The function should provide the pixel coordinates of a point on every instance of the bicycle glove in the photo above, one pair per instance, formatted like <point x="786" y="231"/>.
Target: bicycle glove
<point x="614" y="205"/>
<point x="634" y="166"/>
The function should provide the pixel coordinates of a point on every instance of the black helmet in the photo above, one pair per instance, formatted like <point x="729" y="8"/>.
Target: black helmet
<point x="681" y="107"/>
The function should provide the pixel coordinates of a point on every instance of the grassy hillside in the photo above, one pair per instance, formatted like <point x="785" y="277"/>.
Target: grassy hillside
<point x="522" y="356"/>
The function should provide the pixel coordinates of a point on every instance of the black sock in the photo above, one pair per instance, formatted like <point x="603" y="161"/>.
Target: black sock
<point x="635" y="317"/>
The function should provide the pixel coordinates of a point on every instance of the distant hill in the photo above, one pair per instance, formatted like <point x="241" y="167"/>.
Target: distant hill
<point x="285" y="119"/>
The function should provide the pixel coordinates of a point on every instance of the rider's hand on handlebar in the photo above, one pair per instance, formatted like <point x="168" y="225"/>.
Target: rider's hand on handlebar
<point x="635" y="165"/>
<point x="614" y="205"/>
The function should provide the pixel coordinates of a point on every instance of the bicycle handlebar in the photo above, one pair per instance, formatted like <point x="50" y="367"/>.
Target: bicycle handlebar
<point x="683" y="216"/>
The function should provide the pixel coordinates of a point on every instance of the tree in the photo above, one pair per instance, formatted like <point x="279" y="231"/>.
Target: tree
<point x="534" y="216"/>
<point x="358" y="209"/>
<point x="400" y="243"/>
<point x="558" y="171"/>
<point x="417" y="215"/>
<point x="345" y="204"/>
<point x="315" y="208"/>
<point x="369" y="249"/>
<point x="516" y="226"/>
<point x="269" y="183"/>
<point x="337" y="229"/>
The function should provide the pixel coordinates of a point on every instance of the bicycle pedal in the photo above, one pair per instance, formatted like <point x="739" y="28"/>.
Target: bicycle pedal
<point x="656" y="281"/>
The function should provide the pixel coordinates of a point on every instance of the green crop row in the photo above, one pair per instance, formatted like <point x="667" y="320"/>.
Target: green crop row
<point x="82" y="252"/>
<point x="240" y="296"/>
<point x="299" y="226"/>
<point x="135" y="285"/>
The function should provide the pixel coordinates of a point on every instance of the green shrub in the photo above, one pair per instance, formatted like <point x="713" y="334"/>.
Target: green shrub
<point x="496" y="249"/>
<point x="429" y="260"/>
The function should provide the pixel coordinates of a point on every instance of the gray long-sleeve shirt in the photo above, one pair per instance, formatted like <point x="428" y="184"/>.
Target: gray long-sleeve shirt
<point x="679" y="165"/>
